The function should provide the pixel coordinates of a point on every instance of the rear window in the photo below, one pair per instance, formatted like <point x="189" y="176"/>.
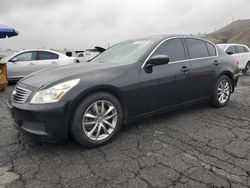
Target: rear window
<point x="196" y="48"/>
<point x="246" y="50"/>
<point x="47" y="55"/>
<point x="211" y="49"/>
<point x="240" y="49"/>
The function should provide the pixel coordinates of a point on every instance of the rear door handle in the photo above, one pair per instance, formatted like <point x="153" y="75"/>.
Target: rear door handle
<point x="32" y="63"/>
<point x="216" y="62"/>
<point x="54" y="62"/>
<point x="185" y="69"/>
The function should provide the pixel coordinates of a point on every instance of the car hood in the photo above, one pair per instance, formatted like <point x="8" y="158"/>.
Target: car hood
<point x="44" y="77"/>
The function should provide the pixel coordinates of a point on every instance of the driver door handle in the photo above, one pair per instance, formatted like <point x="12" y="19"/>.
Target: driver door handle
<point x="54" y="62"/>
<point x="31" y="63"/>
<point x="185" y="69"/>
<point x="216" y="62"/>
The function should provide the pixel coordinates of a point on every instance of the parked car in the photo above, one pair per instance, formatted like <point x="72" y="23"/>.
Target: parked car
<point x="241" y="53"/>
<point x="129" y="81"/>
<point x="80" y="58"/>
<point x="25" y="62"/>
<point x="88" y="54"/>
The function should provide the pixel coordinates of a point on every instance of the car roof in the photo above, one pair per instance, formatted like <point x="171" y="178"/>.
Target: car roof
<point x="166" y="36"/>
<point x="37" y="49"/>
<point x="231" y="44"/>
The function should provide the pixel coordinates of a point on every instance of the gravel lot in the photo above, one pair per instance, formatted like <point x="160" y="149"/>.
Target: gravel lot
<point x="198" y="146"/>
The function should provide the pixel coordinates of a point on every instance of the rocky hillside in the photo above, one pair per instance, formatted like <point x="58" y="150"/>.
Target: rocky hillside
<point x="236" y="32"/>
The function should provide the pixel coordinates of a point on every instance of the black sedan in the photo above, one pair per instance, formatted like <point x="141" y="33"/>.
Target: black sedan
<point x="130" y="80"/>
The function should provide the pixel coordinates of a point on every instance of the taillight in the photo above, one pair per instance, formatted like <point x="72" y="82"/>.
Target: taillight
<point x="237" y="62"/>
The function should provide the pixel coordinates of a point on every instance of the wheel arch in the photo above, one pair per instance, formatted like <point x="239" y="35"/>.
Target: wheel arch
<point x="248" y="62"/>
<point x="102" y="88"/>
<point x="231" y="77"/>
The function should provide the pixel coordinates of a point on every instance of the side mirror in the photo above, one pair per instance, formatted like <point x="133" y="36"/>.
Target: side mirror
<point x="156" y="61"/>
<point x="230" y="53"/>
<point x="14" y="60"/>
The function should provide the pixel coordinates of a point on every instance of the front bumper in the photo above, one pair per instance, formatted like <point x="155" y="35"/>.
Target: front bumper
<point x="46" y="122"/>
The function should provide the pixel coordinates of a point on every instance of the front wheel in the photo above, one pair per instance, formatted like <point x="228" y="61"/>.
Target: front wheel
<point x="222" y="91"/>
<point x="97" y="120"/>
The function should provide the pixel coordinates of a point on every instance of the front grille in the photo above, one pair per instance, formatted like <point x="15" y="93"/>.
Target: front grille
<point x="20" y="95"/>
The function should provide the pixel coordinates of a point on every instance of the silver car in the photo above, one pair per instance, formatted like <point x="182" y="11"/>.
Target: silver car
<point x="25" y="62"/>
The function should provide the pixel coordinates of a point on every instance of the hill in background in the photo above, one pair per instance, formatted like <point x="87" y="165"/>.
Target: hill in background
<point x="236" y="32"/>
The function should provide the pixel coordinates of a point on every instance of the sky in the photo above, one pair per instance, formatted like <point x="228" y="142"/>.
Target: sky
<point x="80" y="24"/>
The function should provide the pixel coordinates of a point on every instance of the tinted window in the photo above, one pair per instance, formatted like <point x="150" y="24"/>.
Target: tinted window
<point x="196" y="48"/>
<point x="211" y="49"/>
<point x="173" y="48"/>
<point x="26" y="56"/>
<point x="231" y="49"/>
<point x="47" y="55"/>
<point x="239" y="49"/>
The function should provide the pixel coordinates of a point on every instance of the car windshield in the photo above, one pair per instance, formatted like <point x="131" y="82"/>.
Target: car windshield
<point x="222" y="46"/>
<point x="6" y="58"/>
<point x="129" y="51"/>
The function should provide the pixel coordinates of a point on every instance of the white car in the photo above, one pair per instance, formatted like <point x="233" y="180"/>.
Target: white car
<point x="88" y="54"/>
<point x="241" y="53"/>
<point x="25" y="62"/>
<point x="80" y="58"/>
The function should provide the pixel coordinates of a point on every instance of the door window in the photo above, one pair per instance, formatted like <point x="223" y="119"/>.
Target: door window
<point x="196" y="48"/>
<point x="26" y="56"/>
<point x="43" y="55"/>
<point x="173" y="48"/>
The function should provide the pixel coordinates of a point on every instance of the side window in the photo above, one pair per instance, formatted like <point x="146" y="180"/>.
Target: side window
<point x="173" y="48"/>
<point x="231" y="49"/>
<point x="246" y="49"/>
<point x="196" y="48"/>
<point x="211" y="49"/>
<point x="26" y="56"/>
<point x="80" y="55"/>
<point x="239" y="49"/>
<point x="42" y="55"/>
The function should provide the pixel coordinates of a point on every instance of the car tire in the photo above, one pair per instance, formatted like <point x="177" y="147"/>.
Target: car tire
<point x="222" y="91"/>
<point x="246" y="71"/>
<point x="93" y="124"/>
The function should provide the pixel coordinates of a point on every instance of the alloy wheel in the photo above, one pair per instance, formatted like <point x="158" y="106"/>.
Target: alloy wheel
<point x="248" y="69"/>
<point x="99" y="120"/>
<point x="223" y="91"/>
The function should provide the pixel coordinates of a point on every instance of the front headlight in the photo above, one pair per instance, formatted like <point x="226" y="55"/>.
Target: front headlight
<point x="54" y="93"/>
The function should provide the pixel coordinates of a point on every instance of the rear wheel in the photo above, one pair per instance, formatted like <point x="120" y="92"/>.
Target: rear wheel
<point x="246" y="71"/>
<point x="97" y="120"/>
<point x="222" y="91"/>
